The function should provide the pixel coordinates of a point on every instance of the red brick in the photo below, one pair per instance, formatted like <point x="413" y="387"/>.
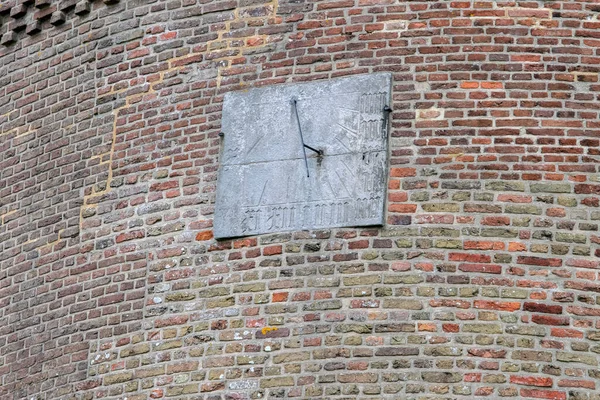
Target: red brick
<point x="451" y="328"/>
<point x="483" y="245"/>
<point x="591" y="201"/>
<point x="273" y="250"/>
<point x="587" y="189"/>
<point x="580" y="383"/>
<point x="204" y="235"/>
<point x="542" y="308"/>
<point x="358" y="244"/>
<point x="280" y="296"/>
<point x="475" y="258"/>
<point x="402" y="208"/>
<point x="482" y="268"/>
<point x="550" y="320"/>
<point x="244" y="243"/>
<point x="487" y="353"/>
<point x="539" y="261"/>
<point x="497" y="305"/>
<point x="397" y="196"/>
<point x="543" y="394"/>
<point x="484" y="391"/>
<point x="531" y="380"/>
<point x="403" y="172"/>
<point x="495" y="221"/>
<point x="174" y="320"/>
<point x="515" y="198"/>
<point x="164" y="185"/>
<point x="565" y="332"/>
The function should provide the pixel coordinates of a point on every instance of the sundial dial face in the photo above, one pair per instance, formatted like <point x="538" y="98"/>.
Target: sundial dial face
<point x="304" y="156"/>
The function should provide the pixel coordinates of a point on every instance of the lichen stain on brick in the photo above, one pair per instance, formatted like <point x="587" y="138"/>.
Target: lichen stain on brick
<point x="268" y="329"/>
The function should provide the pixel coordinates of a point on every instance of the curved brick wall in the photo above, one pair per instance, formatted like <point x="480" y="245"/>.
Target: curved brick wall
<point x="484" y="281"/>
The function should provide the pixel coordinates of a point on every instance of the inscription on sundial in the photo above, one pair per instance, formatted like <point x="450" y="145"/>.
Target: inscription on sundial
<point x="304" y="156"/>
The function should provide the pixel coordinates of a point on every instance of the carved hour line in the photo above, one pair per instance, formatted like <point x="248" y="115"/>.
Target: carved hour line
<point x="343" y="183"/>
<point x="348" y="168"/>
<point x="263" y="191"/>
<point x="330" y="185"/>
<point x="255" y="143"/>
<point x="342" y="143"/>
<point x="347" y="129"/>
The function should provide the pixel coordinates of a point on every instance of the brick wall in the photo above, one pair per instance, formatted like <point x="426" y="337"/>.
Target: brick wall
<point x="483" y="283"/>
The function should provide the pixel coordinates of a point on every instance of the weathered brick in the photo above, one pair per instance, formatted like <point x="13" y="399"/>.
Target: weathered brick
<point x="277" y="381"/>
<point x="482" y="328"/>
<point x="357" y="378"/>
<point x="441" y="377"/>
<point x="397" y="351"/>
<point x="440" y="207"/>
<point x="118" y="378"/>
<point x="504" y="186"/>
<point x="550" y="188"/>
<point x="588" y="359"/>
<point x="570" y="237"/>
<point x="532" y="355"/>
<point x="405" y="304"/>
<point x="523" y="209"/>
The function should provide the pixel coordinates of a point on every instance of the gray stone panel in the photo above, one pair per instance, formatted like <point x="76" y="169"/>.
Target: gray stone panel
<point x="265" y="184"/>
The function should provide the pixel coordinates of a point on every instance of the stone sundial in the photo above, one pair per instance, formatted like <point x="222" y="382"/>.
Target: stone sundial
<point x="304" y="156"/>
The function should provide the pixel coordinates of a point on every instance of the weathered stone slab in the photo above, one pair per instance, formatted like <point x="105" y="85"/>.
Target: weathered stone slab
<point x="267" y="184"/>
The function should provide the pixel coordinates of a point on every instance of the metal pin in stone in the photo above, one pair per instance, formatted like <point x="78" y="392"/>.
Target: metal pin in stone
<point x="387" y="110"/>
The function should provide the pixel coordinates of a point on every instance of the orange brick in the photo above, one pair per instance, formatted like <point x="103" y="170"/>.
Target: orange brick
<point x="272" y="250"/>
<point x="492" y="85"/>
<point x="469" y="85"/>
<point x="516" y="246"/>
<point x="204" y="235"/>
<point x="398" y="196"/>
<point x="280" y="296"/>
<point x="426" y="327"/>
<point x="497" y="305"/>
<point x="403" y="172"/>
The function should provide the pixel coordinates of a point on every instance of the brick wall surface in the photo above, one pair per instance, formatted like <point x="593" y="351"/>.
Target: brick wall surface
<point x="483" y="283"/>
